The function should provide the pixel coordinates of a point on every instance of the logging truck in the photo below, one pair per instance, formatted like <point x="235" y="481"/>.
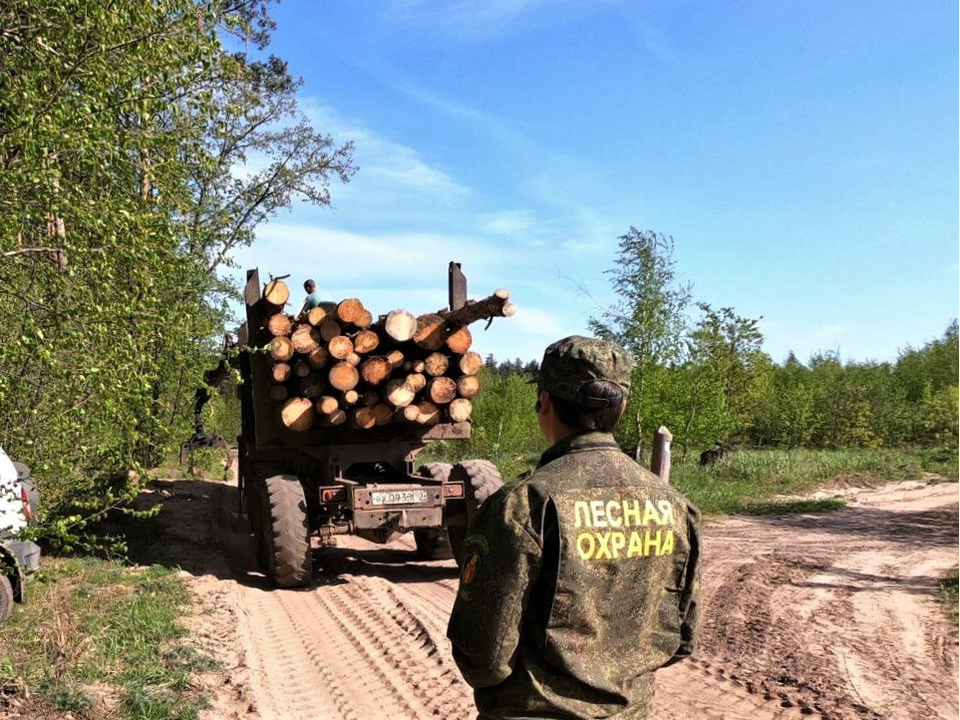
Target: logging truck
<point x="336" y="405"/>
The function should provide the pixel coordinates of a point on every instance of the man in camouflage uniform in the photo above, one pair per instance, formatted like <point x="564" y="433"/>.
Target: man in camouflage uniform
<point x="582" y="579"/>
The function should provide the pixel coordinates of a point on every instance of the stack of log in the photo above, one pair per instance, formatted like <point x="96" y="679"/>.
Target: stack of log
<point x="331" y="367"/>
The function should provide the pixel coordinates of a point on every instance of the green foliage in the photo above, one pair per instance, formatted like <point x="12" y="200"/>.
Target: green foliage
<point x="123" y="127"/>
<point x="98" y="622"/>
<point x="949" y="586"/>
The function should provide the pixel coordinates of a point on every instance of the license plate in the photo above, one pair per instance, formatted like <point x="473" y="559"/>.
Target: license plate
<point x="398" y="497"/>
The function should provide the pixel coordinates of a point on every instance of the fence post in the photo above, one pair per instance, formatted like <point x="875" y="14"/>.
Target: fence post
<point x="660" y="459"/>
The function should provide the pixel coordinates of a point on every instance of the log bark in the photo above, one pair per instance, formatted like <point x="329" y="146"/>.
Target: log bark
<point x="305" y="339"/>
<point x="375" y="369"/>
<point x="276" y="292"/>
<point x="436" y="364"/>
<point x="430" y="332"/>
<point x="496" y="305"/>
<point x="318" y="358"/>
<point x="329" y="329"/>
<point x="471" y="363"/>
<point x="340" y="347"/>
<point x="382" y="413"/>
<point x="297" y="414"/>
<point x="441" y="390"/>
<point x="398" y="393"/>
<point x="460" y="340"/>
<point x="366" y="341"/>
<point x="280" y="372"/>
<point x="337" y="417"/>
<point x="316" y="316"/>
<point x="428" y="413"/>
<point x="279" y="324"/>
<point x="327" y="405"/>
<point x="278" y="393"/>
<point x="370" y="398"/>
<point x="460" y="410"/>
<point x="312" y="385"/>
<point x="344" y="376"/>
<point x="468" y="386"/>
<point x="400" y="325"/>
<point x="350" y="310"/>
<point x="281" y="349"/>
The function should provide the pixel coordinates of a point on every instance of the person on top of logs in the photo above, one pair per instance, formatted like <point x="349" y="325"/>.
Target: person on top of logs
<point x="580" y="580"/>
<point x="311" y="300"/>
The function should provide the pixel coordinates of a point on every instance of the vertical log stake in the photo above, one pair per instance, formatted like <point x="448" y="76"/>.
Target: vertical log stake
<point x="660" y="459"/>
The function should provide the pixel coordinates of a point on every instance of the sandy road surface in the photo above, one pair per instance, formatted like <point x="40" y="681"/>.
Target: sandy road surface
<point x="832" y="616"/>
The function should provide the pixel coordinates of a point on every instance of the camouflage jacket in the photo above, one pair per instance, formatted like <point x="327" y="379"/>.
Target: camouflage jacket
<point x="577" y="583"/>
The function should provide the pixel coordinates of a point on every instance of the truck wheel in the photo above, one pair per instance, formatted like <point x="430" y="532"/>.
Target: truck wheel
<point x="287" y="532"/>
<point x="253" y="493"/>
<point x="432" y="544"/>
<point x="6" y="598"/>
<point x="480" y="479"/>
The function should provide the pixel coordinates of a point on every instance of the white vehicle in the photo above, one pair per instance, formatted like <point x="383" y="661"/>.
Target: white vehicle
<point x="18" y="503"/>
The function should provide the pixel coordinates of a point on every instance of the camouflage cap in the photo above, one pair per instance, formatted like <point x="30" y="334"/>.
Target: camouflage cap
<point x="573" y="361"/>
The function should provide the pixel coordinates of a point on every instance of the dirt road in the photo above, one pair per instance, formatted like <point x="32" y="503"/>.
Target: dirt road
<point x="832" y="616"/>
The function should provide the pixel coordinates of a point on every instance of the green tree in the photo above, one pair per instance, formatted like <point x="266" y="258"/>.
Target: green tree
<point x="647" y="320"/>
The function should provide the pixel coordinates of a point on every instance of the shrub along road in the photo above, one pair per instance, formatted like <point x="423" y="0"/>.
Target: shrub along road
<point x="832" y="615"/>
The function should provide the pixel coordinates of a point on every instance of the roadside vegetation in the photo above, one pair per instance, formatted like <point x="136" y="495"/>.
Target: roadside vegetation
<point x="101" y="639"/>
<point x="949" y="585"/>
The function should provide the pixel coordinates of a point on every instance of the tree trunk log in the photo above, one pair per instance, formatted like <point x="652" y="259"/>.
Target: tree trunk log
<point x="460" y="410"/>
<point x="350" y="310"/>
<point x="365" y="320"/>
<point x="327" y="405"/>
<point x="370" y="398"/>
<point x="395" y="358"/>
<point x="354" y="359"/>
<point x="279" y="324"/>
<point x="428" y="413"/>
<point x="383" y="413"/>
<point x="441" y="390"/>
<point x="436" y="364"/>
<point x="318" y="358"/>
<point x="344" y="376"/>
<point x="329" y="329"/>
<point x="316" y="316"/>
<point x="417" y="381"/>
<point x="468" y="386"/>
<point x="366" y="341"/>
<point x="471" y="363"/>
<point x="362" y="418"/>
<point x="276" y="292"/>
<point x="297" y="414"/>
<point x="340" y="347"/>
<point x="281" y="349"/>
<point x="430" y="332"/>
<point x="351" y="397"/>
<point x="460" y="340"/>
<point x="305" y="339"/>
<point x="410" y="413"/>
<point x="312" y="385"/>
<point x="375" y="369"/>
<point x="497" y="305"/>
<point x="337" y="417"/>
<point x="278" y="393"/>
<point x="280" y="372"/>
<point x="398" y="393"/>
<point x="302" y="368"/>
<point x="400" y="325"/>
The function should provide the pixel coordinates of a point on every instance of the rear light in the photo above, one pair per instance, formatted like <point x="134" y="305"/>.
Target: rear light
<point x="25" y="499"/>
<point x="337" y="494"/>
<point x="453" y="490"/>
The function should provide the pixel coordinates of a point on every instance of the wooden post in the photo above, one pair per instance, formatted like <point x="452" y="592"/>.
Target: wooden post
<point x="660" y="460"/>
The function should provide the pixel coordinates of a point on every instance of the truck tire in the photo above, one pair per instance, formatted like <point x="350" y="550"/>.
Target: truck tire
<point x="6" y="598"/>
<point x="480" y="479"/>
<point x="432" y="543"/>
<point x="286" y="532"/>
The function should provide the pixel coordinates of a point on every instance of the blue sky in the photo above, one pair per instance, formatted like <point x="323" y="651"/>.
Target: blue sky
<point x="803" y="155"/>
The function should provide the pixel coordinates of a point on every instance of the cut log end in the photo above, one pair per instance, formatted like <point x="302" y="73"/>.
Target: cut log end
<point x="344" y="376"/>
<point x="276" y="292"/>
<point x="297" y="414"/>
<point x="460" y="410"/>
<point x="400" y="325"/>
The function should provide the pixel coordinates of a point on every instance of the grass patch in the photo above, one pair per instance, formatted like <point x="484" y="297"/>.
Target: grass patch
<point x="761" y="481"/>
<point x="948" y="592"/>
<point x="98" y="629"/>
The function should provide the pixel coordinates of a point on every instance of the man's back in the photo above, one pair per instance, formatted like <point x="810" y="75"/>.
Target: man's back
<point x="585" y="582"/>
